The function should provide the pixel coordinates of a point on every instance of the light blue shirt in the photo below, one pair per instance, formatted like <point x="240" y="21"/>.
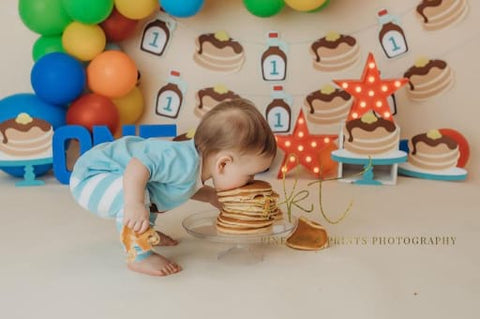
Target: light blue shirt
<point x="174" y="167"/>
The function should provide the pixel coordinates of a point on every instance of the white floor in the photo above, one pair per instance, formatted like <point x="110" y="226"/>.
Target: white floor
<point x="59" y="261"/>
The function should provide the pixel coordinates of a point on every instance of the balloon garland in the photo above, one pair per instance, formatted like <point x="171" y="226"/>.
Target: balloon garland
<point x="84" y="30"/>
<point x="76" y="53"/>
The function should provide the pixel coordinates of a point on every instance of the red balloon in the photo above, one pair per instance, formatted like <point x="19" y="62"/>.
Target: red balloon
<point x="463" y="146"/>
<point x="93" y="109"/>
<point x="117" y="27"/>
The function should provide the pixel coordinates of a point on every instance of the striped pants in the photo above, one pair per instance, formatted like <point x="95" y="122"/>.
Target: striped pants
<point x="102" y="194"/>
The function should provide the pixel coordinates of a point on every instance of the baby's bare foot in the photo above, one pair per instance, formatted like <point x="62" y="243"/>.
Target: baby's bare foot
<point x="166" y="240"/>
<point x="155" y="265"/>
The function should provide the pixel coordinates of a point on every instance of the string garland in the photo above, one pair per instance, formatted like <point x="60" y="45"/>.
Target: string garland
<point x="453" y="48"/>
<point x="262" y="43"/>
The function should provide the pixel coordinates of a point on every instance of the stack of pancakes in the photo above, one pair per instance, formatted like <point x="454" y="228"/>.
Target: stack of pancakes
<point x="249" y="209"/>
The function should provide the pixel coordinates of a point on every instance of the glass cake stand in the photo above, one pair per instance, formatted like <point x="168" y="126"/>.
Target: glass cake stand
<point x="242" y="247"/>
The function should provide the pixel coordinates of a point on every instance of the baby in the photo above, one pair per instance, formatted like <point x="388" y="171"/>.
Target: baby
<point x="123" y="179"/>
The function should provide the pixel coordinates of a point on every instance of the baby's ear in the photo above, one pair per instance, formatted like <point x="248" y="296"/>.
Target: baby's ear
<point x="222" y="162"/>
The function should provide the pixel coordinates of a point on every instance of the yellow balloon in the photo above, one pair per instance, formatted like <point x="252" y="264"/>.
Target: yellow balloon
<point x="304" y="5"/>
<point x="130" y="107"/>
<point x="83" y="41"/>
<point x="136" y="9"/>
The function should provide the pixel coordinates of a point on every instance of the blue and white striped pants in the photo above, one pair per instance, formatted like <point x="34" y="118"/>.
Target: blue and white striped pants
<point x="102" y="194"/>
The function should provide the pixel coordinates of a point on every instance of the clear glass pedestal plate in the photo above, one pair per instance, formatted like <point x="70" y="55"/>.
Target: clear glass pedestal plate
<point x="245" y="249"/>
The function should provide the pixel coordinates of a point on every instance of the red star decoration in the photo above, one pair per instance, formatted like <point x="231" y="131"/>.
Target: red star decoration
<point x="371" y="92"/>
<point x="311" y="151"/>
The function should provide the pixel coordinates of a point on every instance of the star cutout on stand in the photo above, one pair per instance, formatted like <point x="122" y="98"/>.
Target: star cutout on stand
<point x="371" y="92"/>
<point x="311" y="151"/>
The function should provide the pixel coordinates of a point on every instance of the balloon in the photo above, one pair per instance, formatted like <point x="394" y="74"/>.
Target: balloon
<point x="323" y="6"/>
<point x="29" y="103"/>
<point x="112" y="73"/>
<point x="130" y="107"/>
<point x="328" y="165"/>
<point x="47" y="44"/>
<point x="304" y="5"/>
<point x="137" y="9"/>
<point x="83" y="41"/>
<point x="118" y="27"/>
<point x="264" y="8"/>
<point x="113" y="47"/>
<point x="88" y="11"/>
<point x="463" y="146"/>
<point x="46" y="17"/>
<point x="182" y="9"/>
<point x="57" y="78"/>
<point x="93" y="109"/>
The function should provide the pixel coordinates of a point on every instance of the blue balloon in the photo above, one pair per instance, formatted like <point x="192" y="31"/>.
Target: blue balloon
<point x="57" y="78"/>
<point x="182" y="9"/>
<point x="29" y="103"/>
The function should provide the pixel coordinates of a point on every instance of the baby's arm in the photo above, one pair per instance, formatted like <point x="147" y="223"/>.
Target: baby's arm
<point x="135" y="180"/>
<point x="209" y="195"/>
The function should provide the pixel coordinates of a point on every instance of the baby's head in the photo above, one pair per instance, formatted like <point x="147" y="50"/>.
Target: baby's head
<point x="235" y="142"/>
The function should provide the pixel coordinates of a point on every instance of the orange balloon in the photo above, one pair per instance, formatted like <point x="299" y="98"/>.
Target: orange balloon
<point x="329" y="166"/>
<point x="112" y="74"/>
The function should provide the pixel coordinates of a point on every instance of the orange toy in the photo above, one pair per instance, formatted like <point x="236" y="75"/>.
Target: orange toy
<point x="145" y="241"/>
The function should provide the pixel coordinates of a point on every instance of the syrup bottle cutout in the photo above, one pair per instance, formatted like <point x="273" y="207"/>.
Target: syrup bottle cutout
<point x="274" y="59"/>
<point x="157" y="34"/>
<point x="278" y="112"/>
<point x="391" y="36"/>
<point x="170" y="96"/>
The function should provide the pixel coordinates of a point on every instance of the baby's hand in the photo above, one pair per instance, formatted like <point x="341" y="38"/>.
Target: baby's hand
<point x="136" y="217"/>
<point x="213" y="198"/>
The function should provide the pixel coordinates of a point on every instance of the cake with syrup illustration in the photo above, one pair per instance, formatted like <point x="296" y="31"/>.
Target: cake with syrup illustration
<point x="25" y="136"/>
<point x="334" y="52"/>
<point x="208" y="98"/>
<point x="370" y="135"/>
<point x="428" y="78"/>
<point x="250" y="209"/>
<point x="328" y="105"/>
<point x="218" y="52"/>
<point x="439" y="14"/>
<point x="433" y="151"/>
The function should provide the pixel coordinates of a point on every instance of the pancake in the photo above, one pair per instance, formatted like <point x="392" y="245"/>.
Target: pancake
<point x="308" y="235"/>
<point x="255" y="187"/>
<point x="244" y="231"/>
<point x="239" y="223"/>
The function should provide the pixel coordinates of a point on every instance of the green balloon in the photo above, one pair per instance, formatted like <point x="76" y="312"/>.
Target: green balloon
<point x="323" y="6"/>
<point x="88" y="11"/>
<point x="46" y="17"/>
<point x="264" y="8"/>
<point x="47" y="44"/>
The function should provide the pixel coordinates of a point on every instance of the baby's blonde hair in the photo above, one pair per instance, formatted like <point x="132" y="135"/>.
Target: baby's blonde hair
<point x="235" y="125"/>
